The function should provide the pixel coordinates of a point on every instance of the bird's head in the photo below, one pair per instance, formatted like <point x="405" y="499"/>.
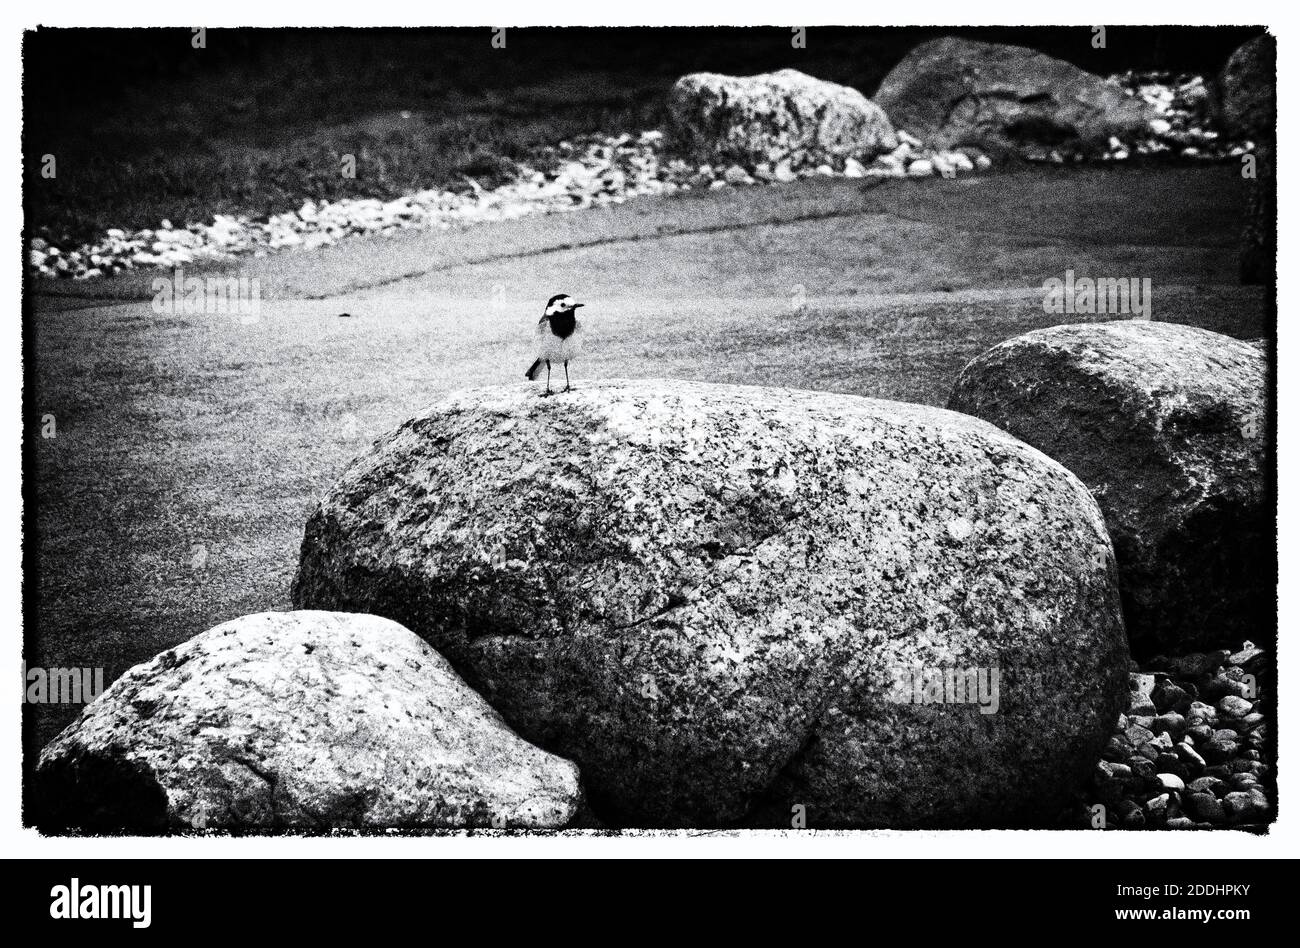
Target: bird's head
<point x="560" y="303"/>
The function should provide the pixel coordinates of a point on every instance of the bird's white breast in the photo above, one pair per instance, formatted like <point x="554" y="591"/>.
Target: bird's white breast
<point x="552" y="348"/>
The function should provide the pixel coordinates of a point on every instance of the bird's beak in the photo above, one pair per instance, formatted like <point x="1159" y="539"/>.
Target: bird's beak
<point x="576" y="305"/>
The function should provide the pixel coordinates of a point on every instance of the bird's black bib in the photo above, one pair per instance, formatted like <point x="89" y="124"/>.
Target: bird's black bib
<point x="563" y="324"/>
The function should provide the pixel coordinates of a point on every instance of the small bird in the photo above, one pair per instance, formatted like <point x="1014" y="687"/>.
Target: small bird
<point x="559" y="339"/>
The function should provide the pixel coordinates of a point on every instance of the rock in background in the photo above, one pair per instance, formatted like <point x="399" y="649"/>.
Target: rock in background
<point x="1007" y="100"/>
<point x="1248" y="89"/>
<point x="1166" y="424"/>
<point x="781" y="118"/>
<point x="1248" y="106"/>
<point x="304" y="721"/>
<point x="703" y="594"/>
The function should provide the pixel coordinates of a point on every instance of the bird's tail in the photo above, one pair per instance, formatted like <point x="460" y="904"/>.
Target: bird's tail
<point x="533" y="371"/>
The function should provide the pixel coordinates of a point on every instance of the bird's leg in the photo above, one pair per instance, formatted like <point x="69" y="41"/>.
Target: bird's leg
<point x="548" y="379"/>
<point x="567" y="386"/>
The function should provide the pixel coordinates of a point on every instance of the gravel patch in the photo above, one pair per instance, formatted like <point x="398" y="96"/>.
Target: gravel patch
<point x="1191" y="752"/>
<point x="595" y="171"/>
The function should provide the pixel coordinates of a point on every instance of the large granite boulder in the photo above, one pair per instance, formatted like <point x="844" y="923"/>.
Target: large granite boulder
<point x="1006" y="100"/>
<point x="303" y="721"/>
<point x="778" y="117"/>
<point x="716" y="598"/>
<point x="1247" y="89"/>
<point x="1168" y="426"/>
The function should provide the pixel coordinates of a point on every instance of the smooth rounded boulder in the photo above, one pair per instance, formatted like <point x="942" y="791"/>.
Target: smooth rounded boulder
<point x="1003" y="99"/>
<point x="1168" y="426"/>
<point x="747" y="606"/>
<point x="305" y="721"/>
<point x="778" y="117"/>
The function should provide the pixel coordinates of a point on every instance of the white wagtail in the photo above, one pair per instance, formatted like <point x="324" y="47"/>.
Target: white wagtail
<point x="559" y="339"/>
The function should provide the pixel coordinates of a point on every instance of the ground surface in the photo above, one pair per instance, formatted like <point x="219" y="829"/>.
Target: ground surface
<point x="190" y="450"/>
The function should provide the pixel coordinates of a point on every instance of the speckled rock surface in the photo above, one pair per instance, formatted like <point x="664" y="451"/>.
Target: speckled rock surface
<point x="958" y="92"/>
<point x="1168" y="426"/>
<point x="303" y="721"/>
<point x="704" y="595"/>
<point x="1247" y="101"/>
<point x="782" y="117"/>
<point x="1248" y="89"/>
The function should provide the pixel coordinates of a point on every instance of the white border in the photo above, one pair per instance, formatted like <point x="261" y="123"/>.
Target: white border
<point x="16" y="842"/>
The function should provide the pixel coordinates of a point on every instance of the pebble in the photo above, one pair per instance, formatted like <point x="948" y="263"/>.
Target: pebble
<point x="1171" y="724"/>
<point x="960" y="160"/>
<point x="1158" y="807"/>
<point x="1239" y="805"/>
<point x="1205" y="807"/>
<point x="1207" y="785"/>
<point x="1232" y="706"/>
<point x="921" y="168"/>
<point x="1142" y="706"/>
<point x="1247" y="654"/>
<point x="1171" y="781"/>
<point x="1180" y="823"/>
<point x="1117" y="749"/>
<point x="1112" y="771"/>
<point x="1142" y="769"/>
<point x="1162" y="742"/>
<point x="1219" y="750"/>
<point x="1202" y="713"/>
<point x="1170" y="697"/>
<point x="1200" y="733"/>
<point x="737" y="175"/>
<point x="1139" y="735"/>
<point x="1193" y="759"/>
<point x="1252" y="721"/>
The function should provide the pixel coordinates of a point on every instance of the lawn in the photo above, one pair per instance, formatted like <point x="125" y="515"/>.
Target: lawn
<point x="190" y="450"/>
